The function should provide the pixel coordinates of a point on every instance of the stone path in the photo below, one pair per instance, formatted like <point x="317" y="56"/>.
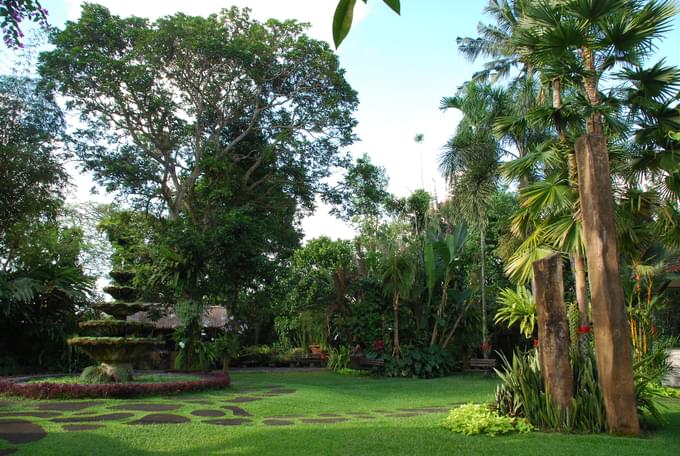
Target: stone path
<point x="17" y="428"/>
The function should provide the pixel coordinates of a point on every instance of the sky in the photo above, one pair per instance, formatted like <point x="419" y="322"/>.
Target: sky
<point x="401" y="67"/>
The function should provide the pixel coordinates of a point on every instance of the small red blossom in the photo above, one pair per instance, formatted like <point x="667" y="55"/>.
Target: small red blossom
<point x="584" y="329"/>
<point x="378" y="345"/>
<point x="535" y="343"/>
<point x="485" y="347"/>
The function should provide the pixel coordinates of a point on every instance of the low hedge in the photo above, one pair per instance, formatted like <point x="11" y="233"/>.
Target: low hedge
<point x="46" y="390"/>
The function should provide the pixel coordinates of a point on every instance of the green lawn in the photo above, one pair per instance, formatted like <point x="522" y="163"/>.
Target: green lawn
<point x="323" y="393"/>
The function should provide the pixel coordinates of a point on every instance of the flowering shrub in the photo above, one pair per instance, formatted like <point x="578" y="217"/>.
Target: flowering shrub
<point x="45" y="390"/>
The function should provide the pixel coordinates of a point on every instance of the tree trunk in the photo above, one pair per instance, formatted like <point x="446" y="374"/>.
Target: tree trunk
<point x="613" y="347"/>
<point x="579" y="265"/>
<point x="485" y="351"/>
<point x="396" y="349"/>
<point x="553" y="331"/>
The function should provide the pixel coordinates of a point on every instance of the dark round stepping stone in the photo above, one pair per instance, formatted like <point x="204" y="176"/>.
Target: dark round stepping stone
<point x="162" y="418"/>
<point x="20" y="431"/>
<point x="282" y="391"/>
<point x="237" y="411"/>
<point x="32" y="414"/>
<point x="67" y="406"/>
<point x="323" y="420"/>
<point x="244" y="399"/>
<point x="275" y="422"/>
<point x="207" y="413"/>
<point x="402" y="415"/>
<point x="146" y="407"/>
<point x="85" y="419"/>
<point x="228" y="421"/>
<point x="82" y="427"/>
<point x="330" y="415"/>
<point x="87" y="412"/>
<point x="7" y="451"/>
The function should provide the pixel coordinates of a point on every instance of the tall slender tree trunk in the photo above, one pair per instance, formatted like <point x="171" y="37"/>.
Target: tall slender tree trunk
<point x="612" y="340"/>
<point x="485" y="344"/>
<point x="577" y="260"/>
<point x="396" y="348"/>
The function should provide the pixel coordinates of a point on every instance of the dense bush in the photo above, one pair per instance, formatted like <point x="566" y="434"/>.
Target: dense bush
<point x="522" y="391"/>
<point x="474" y="419"/>
<point x="421" y="362"/>
<point x="339" y="358"/>
<point x="45" y="390"/>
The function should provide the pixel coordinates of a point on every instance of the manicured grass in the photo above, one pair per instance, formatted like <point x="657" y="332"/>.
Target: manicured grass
<point x="144" y="378"/>
<point x="322" y="392"/>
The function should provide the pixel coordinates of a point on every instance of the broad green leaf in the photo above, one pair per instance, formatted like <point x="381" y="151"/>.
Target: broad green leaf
<point x="342" y="20"/>
<point x="394" y="5"/>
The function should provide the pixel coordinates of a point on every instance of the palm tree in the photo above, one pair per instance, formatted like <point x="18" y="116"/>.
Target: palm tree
<point x="399" y="273"/>
<point x="588" y="39"/>
<point x="470" y="163"/>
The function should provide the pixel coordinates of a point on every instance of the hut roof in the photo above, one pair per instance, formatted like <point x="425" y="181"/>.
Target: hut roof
<point x="214" y="317"/>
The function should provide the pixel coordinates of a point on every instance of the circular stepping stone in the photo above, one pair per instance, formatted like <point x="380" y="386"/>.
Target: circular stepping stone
<point x="32" y="414"/>
<point x="67" y="406"/>
<point x="402" y="415"/>
<point x="146" y="407"/>
<point x="82" y="427"/>
<point x="330" y="415"/>
<point x="228" y="421"/>
<point x="207" y="413"/>
<point x="161" y="418"/>
<point x="274" y="422"/>
<point x="244" y="399"/>
<point x="85" y="419"/>
<point x="323" y="420"/>
<point x="20" y="431"/>
<point x="282" y="391"/>
<point x="238" y="411"/>
<point x="7" y="451"/>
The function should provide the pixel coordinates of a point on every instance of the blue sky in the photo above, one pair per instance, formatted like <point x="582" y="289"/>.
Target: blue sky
<point x="401" y="67"/>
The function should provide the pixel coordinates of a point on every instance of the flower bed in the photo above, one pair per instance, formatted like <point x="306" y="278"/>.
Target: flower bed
<point x="46" y="390"/>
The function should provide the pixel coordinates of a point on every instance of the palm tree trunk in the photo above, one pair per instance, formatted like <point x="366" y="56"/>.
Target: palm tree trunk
<point x="396" y="348"/>
<point x="482" y="235"/>
<point x="612" y="340"/>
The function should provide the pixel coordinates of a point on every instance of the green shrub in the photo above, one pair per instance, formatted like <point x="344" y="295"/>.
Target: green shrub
<point x="339" y="358"/>
<point x="105" y="373"/>
<point x="472" y="419"/>
<point x="353" y="372"/>
<point x="427" y="362"/>
<point x="522" y="392"/>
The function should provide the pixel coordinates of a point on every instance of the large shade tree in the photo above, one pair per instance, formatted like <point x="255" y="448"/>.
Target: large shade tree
<point x="223" y="125"/>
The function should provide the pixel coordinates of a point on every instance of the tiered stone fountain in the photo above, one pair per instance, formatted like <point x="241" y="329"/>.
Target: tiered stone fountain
<point x="115" y="342"/>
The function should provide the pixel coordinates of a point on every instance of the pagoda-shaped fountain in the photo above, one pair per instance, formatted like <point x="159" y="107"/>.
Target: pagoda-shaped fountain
<point x="116" y="342"/>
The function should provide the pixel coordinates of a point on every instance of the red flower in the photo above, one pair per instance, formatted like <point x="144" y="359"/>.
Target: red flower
<point x="378" y="345"/>
<point x="584" y="329"/>
<point x="535" y="343"/>
<point x="485" y="347"/>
